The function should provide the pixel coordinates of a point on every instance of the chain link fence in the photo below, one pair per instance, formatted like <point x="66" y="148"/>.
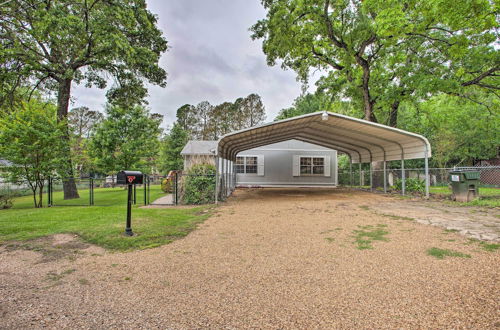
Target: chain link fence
<point x="489" y="176"/>
<point x="109" y="193"/>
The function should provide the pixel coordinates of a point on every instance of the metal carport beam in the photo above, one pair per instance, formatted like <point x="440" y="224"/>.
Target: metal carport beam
<point x="280" y="138"/>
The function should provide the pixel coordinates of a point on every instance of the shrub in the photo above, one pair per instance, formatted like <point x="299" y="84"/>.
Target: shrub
<point x="6" y="200"/>
<point x="411" y="184"/>
<point x="199" y="184"/>
<point x="167" y="186"/>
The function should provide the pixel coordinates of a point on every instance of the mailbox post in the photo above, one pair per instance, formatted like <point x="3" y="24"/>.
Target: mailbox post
<point x="130" y="178"/>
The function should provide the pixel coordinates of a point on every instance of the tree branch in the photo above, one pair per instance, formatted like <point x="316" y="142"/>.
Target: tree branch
<point x="326" y="60"/>
<point x="483" y="75"/>
<point x="328" y="22"/>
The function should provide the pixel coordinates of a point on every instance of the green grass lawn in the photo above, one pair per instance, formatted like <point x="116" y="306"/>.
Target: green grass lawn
<point x="100" y="225"/>
<point x="102" y="197"/>
<point x="489" y="197"/>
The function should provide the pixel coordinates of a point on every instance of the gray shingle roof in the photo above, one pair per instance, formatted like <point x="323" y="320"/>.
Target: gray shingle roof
<point x="199" y="148"/>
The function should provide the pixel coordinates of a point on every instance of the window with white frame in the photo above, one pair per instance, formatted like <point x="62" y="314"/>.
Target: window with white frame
<point x="246" y="165"/>
<point x="312" y="166"/>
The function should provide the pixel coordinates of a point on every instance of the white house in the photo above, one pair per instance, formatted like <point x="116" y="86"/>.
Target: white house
<point x="288" y="163"/>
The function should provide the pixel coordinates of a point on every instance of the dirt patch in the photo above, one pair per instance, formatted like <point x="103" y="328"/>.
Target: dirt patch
<point x="270" y="258"/>
<point x="473" y="222"/>
<point x="55" y="247"/>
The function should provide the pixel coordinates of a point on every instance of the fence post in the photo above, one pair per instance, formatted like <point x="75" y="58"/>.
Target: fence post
<point x="145" y="190"/>
<point x="49" y="197"/>
<point x="149" y="189"/>
<point x="90" y="191"/>
<point x="176" y="188"/>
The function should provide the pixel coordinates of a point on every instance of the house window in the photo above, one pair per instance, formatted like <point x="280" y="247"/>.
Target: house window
<point x="312" y="166"/>
<point x="246" y="165"/>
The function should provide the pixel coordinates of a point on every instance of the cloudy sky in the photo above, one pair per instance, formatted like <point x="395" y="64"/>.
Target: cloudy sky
<point x="211" y="57"/>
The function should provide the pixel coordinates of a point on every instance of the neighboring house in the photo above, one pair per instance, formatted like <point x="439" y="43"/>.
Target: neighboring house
<point x="198" y="152"/>
<point x="289" y="163"/>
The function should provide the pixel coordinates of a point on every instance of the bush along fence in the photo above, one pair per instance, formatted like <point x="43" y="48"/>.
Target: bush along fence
<point x="415" y="177"/>
<point x="193" y="187"/>
<point x="51" y="194"/>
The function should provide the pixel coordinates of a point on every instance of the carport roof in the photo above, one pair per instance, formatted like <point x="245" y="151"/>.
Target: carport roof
<point x="362" y="140"/>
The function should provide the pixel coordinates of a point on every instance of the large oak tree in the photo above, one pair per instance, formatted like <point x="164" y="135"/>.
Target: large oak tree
<point x="51" y="44"/>
<point x="379" y="53"/>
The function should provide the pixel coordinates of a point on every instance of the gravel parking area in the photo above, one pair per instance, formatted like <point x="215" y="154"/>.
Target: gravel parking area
<point x="267" y="258"/>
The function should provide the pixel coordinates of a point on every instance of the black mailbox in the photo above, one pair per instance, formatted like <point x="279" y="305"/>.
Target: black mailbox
<point x="129" y="177"/>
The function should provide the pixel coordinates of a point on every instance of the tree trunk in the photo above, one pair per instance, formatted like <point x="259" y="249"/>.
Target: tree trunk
<point x="40" y="196"/>
<point x="378" y="174"/>
<point x="365" y="86"/>
<point x="393" y="116"/>
<point x="63" y="95"/>
<point x="34" y="197"/>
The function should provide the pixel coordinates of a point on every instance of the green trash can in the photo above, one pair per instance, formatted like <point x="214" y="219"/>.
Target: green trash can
<point x="464" y="185"/>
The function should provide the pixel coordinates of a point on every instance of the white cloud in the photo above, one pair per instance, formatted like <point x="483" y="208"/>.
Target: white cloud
<point x="211" y="57"/>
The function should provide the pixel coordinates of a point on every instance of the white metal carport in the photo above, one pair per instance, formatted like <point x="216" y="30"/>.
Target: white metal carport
<point x="363" y="141"/>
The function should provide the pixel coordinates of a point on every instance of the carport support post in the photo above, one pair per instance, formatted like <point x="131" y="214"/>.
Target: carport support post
<point x="360" y="173"/>
<point x="227" y="178"/>
<point x="223" y="174"/>
<point x="350" y="172"/>
<point x="230" y="176"/>
<point x="403" y="179"/>
<point x="385" y="176"/>
<point x="216" y="179"/>
<point x="426" y="159"/>
<point x="371" y="177"/>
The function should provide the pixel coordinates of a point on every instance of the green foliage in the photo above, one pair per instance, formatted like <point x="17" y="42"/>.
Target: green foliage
<point x="30" y="138"/>
<point x="167" y="186"/>
<point x="126" y="139"/>
<point x="82" y="122"/>
<point x="458" y="129"/>
<point x="319" y="101"/>
<point x="343" y="162"/>
<point x="50" y="45"/>
<point x="411" y="185"/>
<point x="6" y="200"/>
<point x="170" y="149"/>
<point x="207" y="122"/>
<point x="82" y="41"/>
<point x="199" y="185"/>
<point x="441" y="253"/>
<point x="379" y="54"/>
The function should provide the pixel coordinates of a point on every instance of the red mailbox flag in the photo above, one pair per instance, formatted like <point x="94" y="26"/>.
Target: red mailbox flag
<point x="130" y="178"/>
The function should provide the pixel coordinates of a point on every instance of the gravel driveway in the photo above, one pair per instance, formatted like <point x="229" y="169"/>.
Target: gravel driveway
<point x="274" y="258"/>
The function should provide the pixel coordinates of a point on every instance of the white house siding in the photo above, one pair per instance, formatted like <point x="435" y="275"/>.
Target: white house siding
<point x="278" y="163"/>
